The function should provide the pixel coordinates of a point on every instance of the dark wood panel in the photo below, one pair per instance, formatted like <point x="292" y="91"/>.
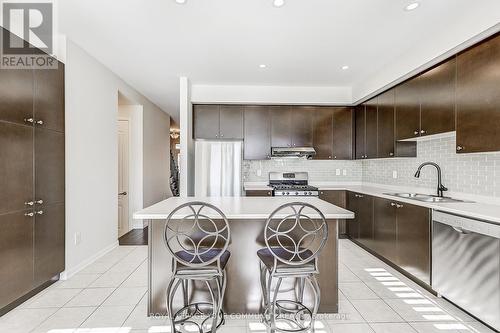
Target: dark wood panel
<point x="385" y="125"/>
<point x="258" y="193"/>
<point x="360" y="132"/>
<point x="437" y="90"/>
<point x="257" y="144"/>
<point x="385" y="237"/>
<point x="353" y="224"/>
<point x="407" y="103"/>
<point x="16" y="166"/>
<point x="343" y="133"/>
<point x="49" y="97"/>
<point x="206" y="121"/>
<point x="281" y="126"/>
<point x="365" y="219"/>
<point x="371" y="129"/>
<point x="49" y="242"/>
<point x="413" y="234"/>
<point x="16" y="95"/>
<point x="231" y="122"/>
<point x="478" y="98"/>
<point x="323" y="133"/>
<point x="16" y="256"/>
<point x="338" y="198"/>
<point x="49" y="166"/>
<point x="302" y="126"/>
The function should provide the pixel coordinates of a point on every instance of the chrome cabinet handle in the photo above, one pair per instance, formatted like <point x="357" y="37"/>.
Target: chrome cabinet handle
<point x="391" y="154"/>
<point x="29" y="203"/>
<point x="399" y="206"/>
<point x="29" y="120"/>
<point x="122" y="193"/>
<point x="459" y="148"/>
<point x="30" y="214"/>
<point x="222" y="135"/>
<point x="334" y="157"/>
<point x="393" y="204"/>
<point x="39" y="122"/>
<point x="39" y="202"/>
<point x="422" y="131"/>
<point x="415" y="132"/>
<point x="40" y="212"/>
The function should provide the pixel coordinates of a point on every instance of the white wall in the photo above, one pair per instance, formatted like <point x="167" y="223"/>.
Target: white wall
<point x="92" y="155"/>
<point x="186" y="155"/>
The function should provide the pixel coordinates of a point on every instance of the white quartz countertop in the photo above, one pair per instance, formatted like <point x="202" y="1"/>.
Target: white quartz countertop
<point x="479" y="210"/>
<point x="242" y="207"/>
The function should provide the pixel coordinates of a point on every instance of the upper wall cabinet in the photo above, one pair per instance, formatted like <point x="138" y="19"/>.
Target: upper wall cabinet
<point x="407" y="105"/>
<point x="16" y="94"/>
<point x="302" y="124"/>
<point x="360" y="133"/>
<point x="218" y="122"/>
<point x="478" y="98"/>
<point x="343" y="138"/>
<point x="49" y="98"/>
<point x="323" y="133"/>
<point x="281" y="126"/>
<point x="292" y="126"/>
<point x="257" y="142"/>
<point x="366" y="130"/>
<point x="437" y="99"/>
<point x="386" y="141"/>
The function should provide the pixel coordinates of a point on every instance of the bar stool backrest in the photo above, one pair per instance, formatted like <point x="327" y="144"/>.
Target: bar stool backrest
<point x="197" y="234"/>
<point x="295" y="233"/>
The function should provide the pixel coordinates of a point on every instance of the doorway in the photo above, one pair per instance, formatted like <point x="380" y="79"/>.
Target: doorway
<point x="123" y="176"/>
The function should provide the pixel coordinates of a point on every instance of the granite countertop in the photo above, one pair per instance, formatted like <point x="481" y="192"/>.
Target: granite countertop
<point x="242" y="207"/>
<point x="482" y="208"/>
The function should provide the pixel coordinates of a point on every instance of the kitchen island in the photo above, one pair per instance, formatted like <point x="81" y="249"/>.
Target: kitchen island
<point x="247" y="217"/>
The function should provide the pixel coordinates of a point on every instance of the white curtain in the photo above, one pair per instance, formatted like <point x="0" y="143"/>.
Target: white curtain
<point x="218" y="168"/>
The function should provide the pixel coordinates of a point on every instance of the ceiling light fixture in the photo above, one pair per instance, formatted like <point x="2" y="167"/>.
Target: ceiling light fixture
<point x="345" y="67"/>
<point x="412" y="6"/>
<point x="278" y="3"/>
<point x="181" y="2"/>
<point x="262" y="66"/>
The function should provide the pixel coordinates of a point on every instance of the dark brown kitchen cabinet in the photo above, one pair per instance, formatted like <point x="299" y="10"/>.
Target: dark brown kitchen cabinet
<point x="337" y="198"/>
<point x="302" y="125"/>
<point x="16" y="256"/>
<point x="360" y="132"/>
<point x="257" y="142"/>
<point x="407" y="105"/>
<point x="49" y="242"/>
<point x="385" y="229"/>
<point x="478" y="97"/>
<point x="16" y="95"/>
<point x="361" y="227"/>
<point x="206" y="121"/>
<point x="281" y="126"/>
<point x="16" y="166"/>
<point x="259" y="193"/>
<point x="386" y="141"/>
<point x="437" y="99"/>
<point x="371" y="129"/>
<point x="323" y="133"/>
<point x="343" y="139"/>
<point x="49" y="98"/>
<point x="218" y="122"/>
<point x="353" y="224"/>
<point x="413" y="235"/>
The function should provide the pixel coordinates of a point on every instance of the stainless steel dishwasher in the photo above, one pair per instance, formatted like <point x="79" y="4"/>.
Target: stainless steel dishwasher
<point x="466" y="264"/>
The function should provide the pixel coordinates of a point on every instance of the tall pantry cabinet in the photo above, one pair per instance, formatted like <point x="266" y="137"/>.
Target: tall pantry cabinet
<point x="32" y="181"/>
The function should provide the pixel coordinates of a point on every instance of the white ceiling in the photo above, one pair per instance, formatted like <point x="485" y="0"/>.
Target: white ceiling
<point x="150" y="43"/>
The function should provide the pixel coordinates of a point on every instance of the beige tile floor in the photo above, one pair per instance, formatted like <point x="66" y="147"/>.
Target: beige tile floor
<point x="109" y="297"/>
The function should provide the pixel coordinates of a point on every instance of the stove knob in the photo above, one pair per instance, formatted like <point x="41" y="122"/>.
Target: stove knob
<point x="309" y="193"/>
<point x="296" y="193"/>
<point x="287" y="193"/>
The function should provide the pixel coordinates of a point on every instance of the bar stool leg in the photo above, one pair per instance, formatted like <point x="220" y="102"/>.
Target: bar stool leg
<point x="185" y="292"/>
<point x="214" y="306"/>
<point x="317" y="298"/>
<point x="273" y="308"/>
<point x="302" y="282"/>
<point x="170" y="300"/>
<point x="263" y="284"/>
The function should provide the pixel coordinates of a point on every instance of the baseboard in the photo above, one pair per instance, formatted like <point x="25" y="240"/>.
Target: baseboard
<point x="69" y="273"/>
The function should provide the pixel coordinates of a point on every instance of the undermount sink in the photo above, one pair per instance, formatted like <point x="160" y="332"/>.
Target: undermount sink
<point x="424" y="197"/>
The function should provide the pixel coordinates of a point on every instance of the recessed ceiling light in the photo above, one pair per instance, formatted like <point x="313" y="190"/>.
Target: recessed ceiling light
<point x="412" y="6"/>
<point x="278" y="3"/>
<point x="345" y="67"/>
<point x="262" y="66"/>
<point x="181" y="2"/>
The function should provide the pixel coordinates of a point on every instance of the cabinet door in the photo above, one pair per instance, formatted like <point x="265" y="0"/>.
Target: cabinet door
<point x="16" y="256"/>
<point x="353" y="224"/>
<point x="478" y="98"/>
<point x="338" y="198"/>
<point x="384" y="235"/>
<point x="408" y="110"/>
<point x="365" y="219"/>
<point x="16" y="166"/>
<point x="413" y="234"/>
<point x="259" y="193"/>
<point x="231" y="122"/>
<point x="302" y="126"/>
<point x="281" y="126"/>
<point x="206" y="121"/>
<point x="49" y="242"/>
<point x="49" y="166"/>
<point x="342" y="133"/>
<point x="360" y="131"/>
<point x="371" y="129"/>
<point x="323" y="133"/>
<point x="16" y="95"/>
<point x="386" y="139"/>
<point x="49" y="97"/>
<point x="257" y="144"/>
<point x="438" y="99"/>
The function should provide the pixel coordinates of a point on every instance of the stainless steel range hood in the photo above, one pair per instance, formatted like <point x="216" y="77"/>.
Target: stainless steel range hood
<point x="293" y="152"/>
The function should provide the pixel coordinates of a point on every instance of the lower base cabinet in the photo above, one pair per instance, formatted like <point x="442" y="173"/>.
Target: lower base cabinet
<point x="337" y="198"/>
<point x="259" y="193"/>
<point x="401" y="232"/>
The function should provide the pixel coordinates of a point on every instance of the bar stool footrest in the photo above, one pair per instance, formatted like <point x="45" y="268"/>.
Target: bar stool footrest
<point x="290" y="316"/>
<point x="196" y="317"/>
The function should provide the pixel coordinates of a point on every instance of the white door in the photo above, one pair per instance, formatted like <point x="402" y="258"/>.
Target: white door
<point x="123" y="152"/>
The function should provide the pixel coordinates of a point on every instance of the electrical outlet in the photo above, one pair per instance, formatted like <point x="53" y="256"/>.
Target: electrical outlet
<point x="394" y="174"/>
<point x="78" y="238"/>
<point x="344" y="172"/>
<point x="259" y="172"/>
<point x="337" y="172"/>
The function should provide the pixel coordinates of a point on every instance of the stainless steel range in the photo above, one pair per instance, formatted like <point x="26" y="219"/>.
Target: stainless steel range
<point x="291" y="184"/>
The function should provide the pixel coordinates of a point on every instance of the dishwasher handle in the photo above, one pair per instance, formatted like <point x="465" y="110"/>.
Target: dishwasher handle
<point x="462" y="231"/>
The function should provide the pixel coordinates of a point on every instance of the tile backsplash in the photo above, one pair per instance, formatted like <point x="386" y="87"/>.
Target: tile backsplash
<point x="477" y="174"/>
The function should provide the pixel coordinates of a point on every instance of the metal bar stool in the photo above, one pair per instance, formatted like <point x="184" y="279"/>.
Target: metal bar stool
<point x="198" y="244"/>
<point x="294" y="241"/>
